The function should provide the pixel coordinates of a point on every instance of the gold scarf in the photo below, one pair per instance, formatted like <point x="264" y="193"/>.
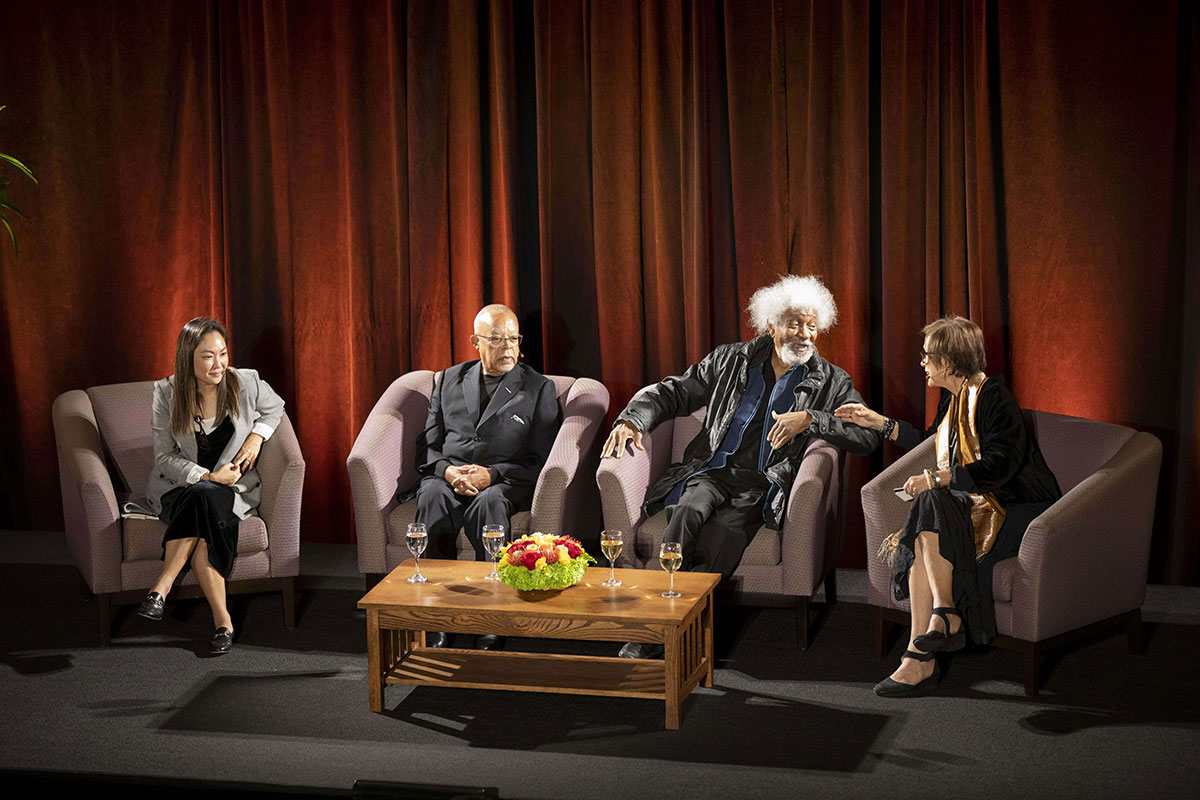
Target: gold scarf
<point x="987" y="515"/>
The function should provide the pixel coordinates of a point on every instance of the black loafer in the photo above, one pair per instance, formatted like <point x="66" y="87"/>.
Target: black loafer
<point x="641" y="650"/>
<point x="437" y="639"/>
<point x="152" y="607"/>
<point x="490" y="641"/>
<point x="893" y="688"/>
<point x="222" y="641"/>
<point x="940" y="642"/>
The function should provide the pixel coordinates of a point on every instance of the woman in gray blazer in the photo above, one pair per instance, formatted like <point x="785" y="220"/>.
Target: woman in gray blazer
<point x="209" y="422"/>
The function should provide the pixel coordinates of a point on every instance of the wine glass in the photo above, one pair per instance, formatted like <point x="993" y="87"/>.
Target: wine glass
<point x="417" y="538"/>
<point x="670" y="555"/>
<point x="493" y="541"/>
<point x="611" y="543"/>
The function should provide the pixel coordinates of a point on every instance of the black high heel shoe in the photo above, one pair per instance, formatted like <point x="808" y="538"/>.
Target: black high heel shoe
<point x="939" y="642"/>
<point x="893" y="688"/>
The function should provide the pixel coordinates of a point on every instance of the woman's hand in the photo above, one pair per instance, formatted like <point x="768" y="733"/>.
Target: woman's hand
<point x="787" y="426"/>
<point x="860" y="415"/>
<point x="622" y="434"/>
<point x="916" y="484"/>
<point x="247" y="456"/>
<point x="228" y="474"/>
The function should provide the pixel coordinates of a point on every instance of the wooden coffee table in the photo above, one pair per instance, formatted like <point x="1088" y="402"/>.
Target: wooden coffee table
<point x="457" y="599"/>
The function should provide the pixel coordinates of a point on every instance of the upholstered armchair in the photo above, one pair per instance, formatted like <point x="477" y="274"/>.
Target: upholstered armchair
<point x="383" y="463"/>
<point x="791" y="563"/>
<point x="105" y="452"/>
<point x="1082" y="564"/>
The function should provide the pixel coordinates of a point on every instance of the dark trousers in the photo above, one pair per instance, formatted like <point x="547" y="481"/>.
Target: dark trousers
<point x="715" y="519"/>
<point x="444" y="512"/>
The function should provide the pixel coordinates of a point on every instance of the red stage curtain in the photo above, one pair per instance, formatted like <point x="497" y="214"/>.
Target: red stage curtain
<point x="347" y="183"/>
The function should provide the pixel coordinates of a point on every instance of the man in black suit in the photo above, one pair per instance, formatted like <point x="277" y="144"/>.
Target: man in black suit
<point x="490" y="428"/>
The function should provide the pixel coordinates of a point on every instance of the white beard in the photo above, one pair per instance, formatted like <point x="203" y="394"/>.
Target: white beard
<point x="795" y="353"/>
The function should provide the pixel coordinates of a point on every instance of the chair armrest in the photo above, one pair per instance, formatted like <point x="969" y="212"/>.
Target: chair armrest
<point x="584" y="413"/>
<point x="808" y="524"/>
<point x="1085" y="558"/>
<point x="623" y="482"/>
<point x="383" y="461"/>
<point x="884" y="513"/>
<point x="90" y="513"/>
<point x="281" y="467"/>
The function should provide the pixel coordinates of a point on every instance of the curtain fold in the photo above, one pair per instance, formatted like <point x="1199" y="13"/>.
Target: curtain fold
<point x="348" y="183"/>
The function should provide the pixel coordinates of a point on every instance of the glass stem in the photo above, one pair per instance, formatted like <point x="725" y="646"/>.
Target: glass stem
<point x="672" y="583"/>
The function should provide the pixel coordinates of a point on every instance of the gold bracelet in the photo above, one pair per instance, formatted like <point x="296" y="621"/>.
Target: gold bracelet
<point x="932" y="481"/>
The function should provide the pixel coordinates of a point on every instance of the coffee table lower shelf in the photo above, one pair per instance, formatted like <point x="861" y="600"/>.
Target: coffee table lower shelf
<point x="536" y="672"/>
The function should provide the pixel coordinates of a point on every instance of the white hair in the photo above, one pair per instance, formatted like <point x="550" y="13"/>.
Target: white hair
<point x="770" y="304"/>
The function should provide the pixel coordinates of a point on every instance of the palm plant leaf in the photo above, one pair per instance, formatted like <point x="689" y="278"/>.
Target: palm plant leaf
<point x="11" y="235"/>
<point x="18" y="165"/>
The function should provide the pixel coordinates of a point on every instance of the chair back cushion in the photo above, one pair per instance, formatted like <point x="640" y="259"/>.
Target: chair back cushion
<point x="1075" y="447"/>
<point x="123" y="413"/>
<point x="562" y="388"/>
<point x="686" y="429"/>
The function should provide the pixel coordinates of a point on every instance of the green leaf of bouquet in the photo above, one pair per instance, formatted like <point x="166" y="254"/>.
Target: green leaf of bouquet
<point x="12" y="208"/>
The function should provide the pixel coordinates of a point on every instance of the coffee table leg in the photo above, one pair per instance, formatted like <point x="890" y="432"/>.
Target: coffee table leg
<point x="374" y="662"/>
<point x="671" y="683"/>
<point x="707" y="627"/>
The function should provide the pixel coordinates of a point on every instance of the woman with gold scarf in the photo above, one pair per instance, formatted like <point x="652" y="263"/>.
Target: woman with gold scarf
<point x="991" y="481"/>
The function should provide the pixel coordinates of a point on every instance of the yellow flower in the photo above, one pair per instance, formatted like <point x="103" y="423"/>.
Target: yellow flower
<point x="541" y="564"/>
<point x="503" y="562"/>
<point x="563" y="555"/>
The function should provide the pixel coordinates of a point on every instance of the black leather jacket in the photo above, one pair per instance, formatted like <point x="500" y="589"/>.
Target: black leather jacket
<point x="718" y="382"/>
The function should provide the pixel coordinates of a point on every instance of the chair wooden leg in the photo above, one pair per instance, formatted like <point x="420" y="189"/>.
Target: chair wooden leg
<point x="879" y="628"/>
<point x="802" y="622"/>
<point x="1135" y="635"/>
<point x="1031" y="653"/>
<point x="831" y="587"/>
<point x="289" y="602"/>
<point x="105" y="620"/>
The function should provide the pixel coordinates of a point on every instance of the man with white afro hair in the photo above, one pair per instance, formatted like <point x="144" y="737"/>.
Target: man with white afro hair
<point x="764" y="400"/>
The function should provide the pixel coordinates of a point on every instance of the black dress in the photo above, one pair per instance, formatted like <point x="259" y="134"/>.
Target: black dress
<point x="1013" y="470"/>
<point x="205" y="509"/>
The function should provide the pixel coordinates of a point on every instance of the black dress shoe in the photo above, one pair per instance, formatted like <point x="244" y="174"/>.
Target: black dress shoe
<point x="152" y="607"/>
<point x="893" y="688"/>
<point x="437" y="639"/>
<point x="490" y="641"/>
<point x="940" y="642"/>
<point x="222" y="641"/>
<point x="641" y="650"/>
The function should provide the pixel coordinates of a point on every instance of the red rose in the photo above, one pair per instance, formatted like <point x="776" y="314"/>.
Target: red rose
<point x="573" y="549"/>
<point x="530" y="558"/>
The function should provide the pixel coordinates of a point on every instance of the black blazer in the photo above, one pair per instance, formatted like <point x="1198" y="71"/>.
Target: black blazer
<point x="512" y="436"/>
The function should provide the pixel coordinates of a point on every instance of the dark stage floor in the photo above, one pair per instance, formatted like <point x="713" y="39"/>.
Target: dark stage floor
<point x="290" y="707"/>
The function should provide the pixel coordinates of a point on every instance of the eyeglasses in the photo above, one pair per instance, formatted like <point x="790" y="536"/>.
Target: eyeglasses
<point x="497" y="341"/>
<point x="925" y="356"/>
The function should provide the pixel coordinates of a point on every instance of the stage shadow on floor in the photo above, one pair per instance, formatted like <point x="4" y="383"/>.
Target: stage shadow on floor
<point x="755" y="730"/>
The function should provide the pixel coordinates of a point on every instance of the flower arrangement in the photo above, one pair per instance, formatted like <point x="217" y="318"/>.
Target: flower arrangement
<point x="543" y="561"/>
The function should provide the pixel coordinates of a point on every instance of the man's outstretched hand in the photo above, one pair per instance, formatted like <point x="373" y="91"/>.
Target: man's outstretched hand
<point x="622" y="434"/>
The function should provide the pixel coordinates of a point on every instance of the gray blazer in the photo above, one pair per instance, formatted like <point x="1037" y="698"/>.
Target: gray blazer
<point x="174" y="456"/>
